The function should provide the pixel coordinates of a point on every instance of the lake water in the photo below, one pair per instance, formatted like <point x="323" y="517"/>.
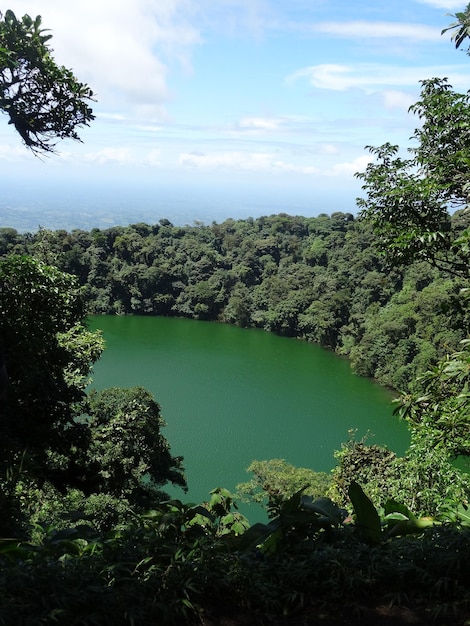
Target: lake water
<point x="232" y="395"/>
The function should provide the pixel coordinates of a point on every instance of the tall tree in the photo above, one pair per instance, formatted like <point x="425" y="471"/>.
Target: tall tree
<point x="48" y="354"/>
<point x="128" y="447"/>
<point x="408" y="200"/>
<point x="52" y="436"/>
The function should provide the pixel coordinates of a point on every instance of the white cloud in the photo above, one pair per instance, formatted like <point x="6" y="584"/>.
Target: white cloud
<point x="234" y="160"/>
<point x="328" y="148"/>
<point x="290" y="168"/>
<point x="349" y="169"/>
<point x="268" y="163"/>
<point x="259" y="123"/>
<point x="236" y="18"/>
<point x="114" y="117"/>
<point x="120" y="156"/>
<point x="149" y="128"/>
<point x="266" y="125"/>
<point x="121" y="49"/>
<point x="393" y="99"/>
<point x="154" y="158"/>
<point x="444" y="4"/>
<point x="13" y="153"/>
<point x="117" y="155"/>
<point x="372" y="75"/>
<point x="381" y="30"/>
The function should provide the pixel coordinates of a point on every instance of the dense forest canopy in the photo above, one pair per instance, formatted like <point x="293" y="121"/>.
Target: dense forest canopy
<point x="322" y="279"/>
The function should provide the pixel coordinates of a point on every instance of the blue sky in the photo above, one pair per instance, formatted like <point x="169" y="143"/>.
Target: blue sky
<point x="276" y="98"/>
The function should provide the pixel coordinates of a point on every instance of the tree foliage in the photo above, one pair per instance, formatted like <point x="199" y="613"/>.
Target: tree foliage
<point x="128" y="447"/>
<point x="54" y="439"/>
<point x="391" y="322"/>
<point x="44" y="101"/>
<point x="174" y="566"/>
<point x="408" y="200"/>
<point x="439" y="411"/>
<point x="41" y="315"/>
<point x="423" y="479"/>
<point x="461" y="27"/>
<point x="275" y="481"/>
<point x="409" y="203"/>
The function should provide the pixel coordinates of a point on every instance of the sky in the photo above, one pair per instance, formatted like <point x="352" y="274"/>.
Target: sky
<point x="273" y="99"/>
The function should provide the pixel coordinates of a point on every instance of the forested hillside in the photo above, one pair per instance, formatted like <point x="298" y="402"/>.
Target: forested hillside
<point x="321" y="279"/>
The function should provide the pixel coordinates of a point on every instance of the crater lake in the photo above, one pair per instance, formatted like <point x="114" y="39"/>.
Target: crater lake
<point x="230" y="395"/>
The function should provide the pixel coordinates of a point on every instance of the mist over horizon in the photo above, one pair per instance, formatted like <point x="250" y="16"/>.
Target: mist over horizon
<point x="91" y="204"/>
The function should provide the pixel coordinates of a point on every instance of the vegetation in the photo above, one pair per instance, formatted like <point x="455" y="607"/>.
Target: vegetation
<point x="103" y="454"/>
<point x="44" y="101"/>
<point x="408" y="199"/>
<point x="56" y="441"/>
<point x="275" y="481"/>
<point x="88" y="534"/>
<point x="322" y="279"/>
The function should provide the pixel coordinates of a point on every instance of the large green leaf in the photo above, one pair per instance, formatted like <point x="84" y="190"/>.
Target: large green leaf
<point x="257" y="537"/>
<point x="328" y="511"/>
<point x="392" y="506"/>
<point x="367" y="517"/>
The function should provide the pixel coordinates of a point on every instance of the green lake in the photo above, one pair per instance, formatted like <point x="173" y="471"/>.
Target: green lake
<point x="231" y="395"/>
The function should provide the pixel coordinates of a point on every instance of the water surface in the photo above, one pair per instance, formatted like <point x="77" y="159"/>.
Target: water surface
<point x="232" y="395"/>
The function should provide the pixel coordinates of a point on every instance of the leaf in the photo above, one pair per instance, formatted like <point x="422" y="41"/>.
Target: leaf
<point x="293" y="503"/>
<point x="326" y="508"/>
<point x="14" y="549"/>
<point x="392" y="507"/>
<point x="257" y="536"/>
<point x="463" y="514"/>
<point x="411" y="527"/>
<point x="367" y="517"/>
<point x="396" y="517"/>
<point x="200" y="510"/>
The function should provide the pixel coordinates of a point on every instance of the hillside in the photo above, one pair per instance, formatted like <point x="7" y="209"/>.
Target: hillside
<point x="321" y="279"/>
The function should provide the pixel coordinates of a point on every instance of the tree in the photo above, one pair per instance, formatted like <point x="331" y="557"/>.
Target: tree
<point x="439" y="413"/>
<point x="462" y="26"/>
<point x="128" y="447"/>
<point x="44" y="101"/>
<point x="48" y="354"/>
<point x="408" y="200"/>
<point x="409" y="203"/>
<point x="423" y="480"/>
<point x="59" y="446"/>
<point x="275" y="481"/>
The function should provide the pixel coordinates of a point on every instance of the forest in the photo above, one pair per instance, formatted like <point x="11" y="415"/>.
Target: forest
<point x="87" y="533"/>
<point x="322" y="279"/>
